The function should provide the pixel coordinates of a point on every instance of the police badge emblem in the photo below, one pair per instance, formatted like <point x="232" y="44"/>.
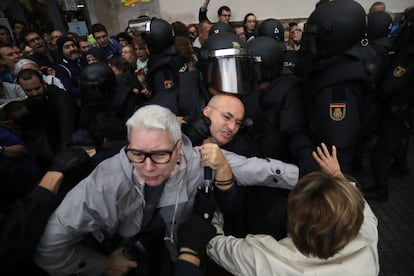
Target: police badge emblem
<point x="398" y="72"/>
<point x="168" y="84"/>
<point x="337" y="111"/>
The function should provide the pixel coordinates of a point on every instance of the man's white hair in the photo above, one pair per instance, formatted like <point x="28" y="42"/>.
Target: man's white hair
<point x="155" y="117"/>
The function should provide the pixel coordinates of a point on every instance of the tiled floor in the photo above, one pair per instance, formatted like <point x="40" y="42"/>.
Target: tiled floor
<point x="396" y="222"/>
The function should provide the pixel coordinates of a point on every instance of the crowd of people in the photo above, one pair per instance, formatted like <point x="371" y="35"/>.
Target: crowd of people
<point x="206" y="149"/>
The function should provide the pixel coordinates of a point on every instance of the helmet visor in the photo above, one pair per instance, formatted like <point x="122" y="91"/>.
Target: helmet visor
<point x="230" y="71"/>
<point x="140" y="25"/>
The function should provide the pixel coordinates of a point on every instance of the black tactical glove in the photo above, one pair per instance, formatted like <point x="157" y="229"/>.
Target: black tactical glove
<point x="70" y="160"/>
<point x="195" y="233"/>
<point x="197" y="128"/>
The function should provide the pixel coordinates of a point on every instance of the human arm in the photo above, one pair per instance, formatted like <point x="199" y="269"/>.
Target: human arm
<point x="101" y="203"/>
<point x="202" y="13"/>
<point x="60" y="250"/>
<point x="193" y="236"/>
<point x="262" y="171"/>
<point x="212" y="156"/>
<point x="369" y="228"/>
<point x="22" y="225"/>
<point x="185" y="267"/>
<point x="14" y="151"/>
<point x="11" y="146"/>
<point x="292" y="122"/>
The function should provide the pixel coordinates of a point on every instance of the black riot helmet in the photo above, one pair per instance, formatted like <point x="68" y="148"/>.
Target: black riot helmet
<point x="97" y="80"/>
<point x="226" y="64"/>
<point x="269" y="56"/>
<point x="220" y="27"/>
<point x="379" y="25"/>
<point x="157" y="33"/>
<point x="333" y="28"/>
<point x="272" y="28"/>
<point x="405" y="33"/>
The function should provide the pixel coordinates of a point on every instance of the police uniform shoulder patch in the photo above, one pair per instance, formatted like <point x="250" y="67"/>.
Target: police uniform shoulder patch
<point x="399" y="71"/>
<point x="337" y="111"/>
<point x="168" y="84"/>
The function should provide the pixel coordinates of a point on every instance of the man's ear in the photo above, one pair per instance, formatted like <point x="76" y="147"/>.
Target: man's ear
<point x="206" y="111"/>
<point x="180" y="145"/>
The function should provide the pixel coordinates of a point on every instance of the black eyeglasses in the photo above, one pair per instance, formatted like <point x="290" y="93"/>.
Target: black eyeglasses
<point x="157" y="157"/>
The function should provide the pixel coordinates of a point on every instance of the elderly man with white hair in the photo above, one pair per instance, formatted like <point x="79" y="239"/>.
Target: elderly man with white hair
<point x="150" y="185"/>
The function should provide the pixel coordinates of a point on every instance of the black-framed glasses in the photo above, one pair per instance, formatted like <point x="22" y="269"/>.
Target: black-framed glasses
<point x="157" y="157"/>
<point x="228" y="117"/>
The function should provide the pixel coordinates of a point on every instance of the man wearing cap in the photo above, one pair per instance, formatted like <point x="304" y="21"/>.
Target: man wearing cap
<point x="69" y="68"/>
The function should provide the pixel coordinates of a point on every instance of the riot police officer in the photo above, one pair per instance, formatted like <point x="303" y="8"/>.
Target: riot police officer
<point x="97" y="85"/>
<point x="227" y="67"/>
<point x="396" y="91"/>
<point x="378" y="29"/>
<point x="171" y="85"/>
<point x="336" y="79"/>
<point x="281" y="123"/>
<point x="379" y="26"/>
<point x="273" y="28"/>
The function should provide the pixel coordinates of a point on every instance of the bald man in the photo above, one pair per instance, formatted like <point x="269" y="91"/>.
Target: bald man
<point x="226" y="114"/>
<point x="219" y="122"/>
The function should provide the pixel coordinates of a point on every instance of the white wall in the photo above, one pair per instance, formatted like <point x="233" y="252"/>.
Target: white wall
<point x="187" y="10"/>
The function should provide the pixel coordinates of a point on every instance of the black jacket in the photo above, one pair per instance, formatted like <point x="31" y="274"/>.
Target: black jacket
<point x="21" y="227"/>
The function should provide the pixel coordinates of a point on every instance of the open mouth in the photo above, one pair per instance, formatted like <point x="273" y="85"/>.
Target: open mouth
<point x="226" y="134"/>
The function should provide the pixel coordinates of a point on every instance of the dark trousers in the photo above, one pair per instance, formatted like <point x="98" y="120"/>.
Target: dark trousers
<point x="391" y="137"/>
